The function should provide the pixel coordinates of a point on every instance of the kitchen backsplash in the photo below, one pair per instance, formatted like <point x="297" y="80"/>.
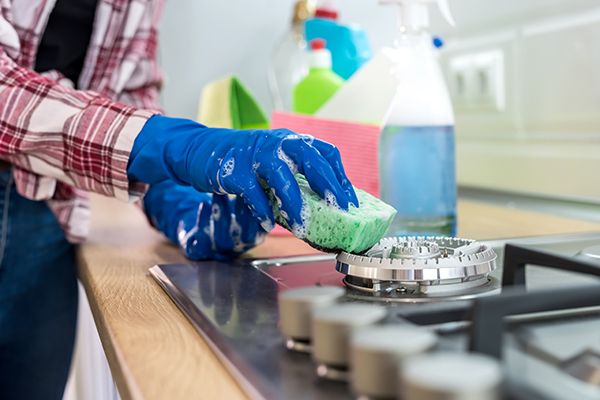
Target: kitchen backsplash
<point x="524" y="77"/>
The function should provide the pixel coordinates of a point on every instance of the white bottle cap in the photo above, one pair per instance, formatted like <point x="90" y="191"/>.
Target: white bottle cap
<point x="319" y="57"/>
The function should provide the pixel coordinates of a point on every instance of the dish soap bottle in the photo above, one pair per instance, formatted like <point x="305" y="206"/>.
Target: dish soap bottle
<point x="348" y="43"/>
<point x="289" y="62"/>
<point x="320" y="84"/>
<point x="416" y="145"/>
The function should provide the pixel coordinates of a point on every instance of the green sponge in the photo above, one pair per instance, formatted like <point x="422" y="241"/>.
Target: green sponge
<point x="333" y="230"/>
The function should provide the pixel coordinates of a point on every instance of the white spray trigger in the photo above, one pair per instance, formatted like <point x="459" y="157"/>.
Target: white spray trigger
<point x="445" y="10"/>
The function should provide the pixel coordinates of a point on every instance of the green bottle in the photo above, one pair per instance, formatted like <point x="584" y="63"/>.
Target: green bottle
<point x="320" y="83"/>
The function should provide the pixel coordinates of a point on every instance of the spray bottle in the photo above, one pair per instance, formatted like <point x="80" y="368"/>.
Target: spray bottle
<point x="416" y="146"/>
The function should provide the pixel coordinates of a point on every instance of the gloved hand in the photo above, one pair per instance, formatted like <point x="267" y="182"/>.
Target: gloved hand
<point x="237" y="162"/>
<point x="203" y="225"/>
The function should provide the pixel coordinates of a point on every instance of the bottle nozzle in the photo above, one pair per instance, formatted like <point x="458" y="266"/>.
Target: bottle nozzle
<point x="418" y="13"/>
<point x="445" y="10"/>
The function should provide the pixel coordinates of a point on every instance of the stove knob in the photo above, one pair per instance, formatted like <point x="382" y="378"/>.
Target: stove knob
<point x="295" y="311"/>
<point x="456" y="376"/>
<point x="331" y="330"/>
<point x="376" y="353"/>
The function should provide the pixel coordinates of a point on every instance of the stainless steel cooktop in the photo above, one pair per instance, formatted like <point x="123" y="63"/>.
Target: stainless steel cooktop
<point x="546" y="340"/>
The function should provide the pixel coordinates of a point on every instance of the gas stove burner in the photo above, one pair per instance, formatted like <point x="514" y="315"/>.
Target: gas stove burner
<point x="421" y="269"/>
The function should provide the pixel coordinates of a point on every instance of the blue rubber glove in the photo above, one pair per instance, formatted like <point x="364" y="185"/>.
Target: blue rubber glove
<point x="228" y="161"/>
<point x="203" y="225"/>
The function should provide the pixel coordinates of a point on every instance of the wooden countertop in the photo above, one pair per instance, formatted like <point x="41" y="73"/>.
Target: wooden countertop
<point x="153" y="351"/>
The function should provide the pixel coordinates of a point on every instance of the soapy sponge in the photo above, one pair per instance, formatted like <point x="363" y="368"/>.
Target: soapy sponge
<point x="328" y="228"/>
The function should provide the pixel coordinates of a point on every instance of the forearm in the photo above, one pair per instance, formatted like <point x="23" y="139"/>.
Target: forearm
<point x="77" y="137"/>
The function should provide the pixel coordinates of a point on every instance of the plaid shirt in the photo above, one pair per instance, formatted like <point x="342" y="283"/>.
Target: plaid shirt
<point x="63" y="142"/>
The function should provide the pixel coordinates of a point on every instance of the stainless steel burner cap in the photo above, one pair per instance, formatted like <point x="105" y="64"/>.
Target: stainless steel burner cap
<point x="413" y="248"/>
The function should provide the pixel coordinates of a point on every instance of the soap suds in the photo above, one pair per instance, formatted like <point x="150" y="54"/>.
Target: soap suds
<point x="267" y="225"/>
<point x="284" y="157"/>
<point x="227" y="168"/>
<point x="235" y="231"/>
<point x="260" y="237"/>
<point x="279" y="203"/>
<point x="210" y="232"/>
<point x="300" y="230"/>
<point x="183" y="235"/>
<point x="331" y="201"/>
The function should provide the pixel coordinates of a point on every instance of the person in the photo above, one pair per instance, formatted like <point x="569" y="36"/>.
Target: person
<point x="79" y="113"/>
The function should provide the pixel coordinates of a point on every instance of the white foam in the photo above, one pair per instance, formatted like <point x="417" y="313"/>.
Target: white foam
<point x="279" y="203"/>
<point x="183" y="235"/>
<point x="235" y="232"/>
<point x="227" y="168"/>
<point x="267" y="225"/>
<point x="255" y="166"/>
<point x="331" y="201"/>
<point x="210" y="232"/>
<point x="260" y="237"/>
<point x="300" y="230"/>
<point x="284" y="157"/>
<point x="284" y="214"/>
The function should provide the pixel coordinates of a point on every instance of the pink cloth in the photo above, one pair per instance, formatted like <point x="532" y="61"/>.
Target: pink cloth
<point x="358" y="145"/>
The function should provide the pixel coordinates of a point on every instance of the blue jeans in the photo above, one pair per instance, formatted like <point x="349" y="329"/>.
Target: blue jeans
<point x="38" y="298"/>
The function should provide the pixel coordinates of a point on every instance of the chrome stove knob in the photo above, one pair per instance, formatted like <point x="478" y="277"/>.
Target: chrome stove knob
<point x="331" y="330"/>
<point x="295" y="311"/>
<point x="376" y="353"/>
<point x="456" y="376"/>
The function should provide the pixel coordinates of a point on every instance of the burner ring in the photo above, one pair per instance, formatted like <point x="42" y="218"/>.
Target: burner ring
<point x="456" y="259"/>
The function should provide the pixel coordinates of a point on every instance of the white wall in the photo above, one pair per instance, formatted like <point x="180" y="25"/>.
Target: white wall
<point x="203" y="40"/>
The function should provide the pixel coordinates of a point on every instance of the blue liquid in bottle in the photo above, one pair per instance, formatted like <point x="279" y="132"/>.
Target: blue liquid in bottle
<point x="417" y="178"/>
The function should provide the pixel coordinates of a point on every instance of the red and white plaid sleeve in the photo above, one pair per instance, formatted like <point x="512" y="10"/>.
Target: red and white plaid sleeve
<point x="80" y="138"/>
<point x="140" y="77"/>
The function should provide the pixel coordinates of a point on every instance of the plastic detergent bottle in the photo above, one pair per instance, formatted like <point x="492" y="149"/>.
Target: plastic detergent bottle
<point x="416" y="145"/>
<point x="289" y="60"/>
<point x="348" y="43"/>
<point x="321" y="82"/>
